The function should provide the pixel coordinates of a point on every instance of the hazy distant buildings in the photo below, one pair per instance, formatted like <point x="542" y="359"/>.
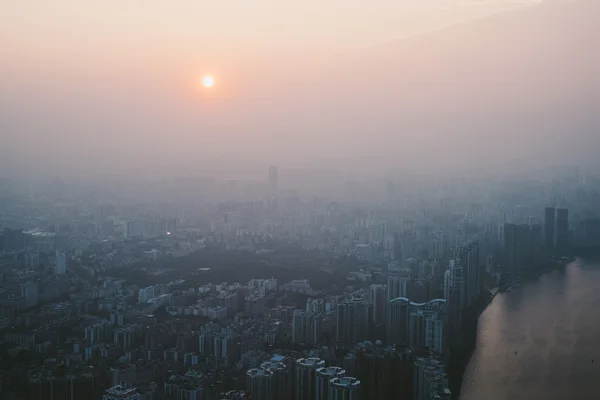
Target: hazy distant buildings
<point x="32" y="260"/>
<point x="397" y="282"/>
<point x="561" y="239"/>
<point x="517" y="246"/>
<point x="549" y="226"/>
<point x="273" y="179"/>
<point x="556" y="231"/>
<point x="29" y="292"/>
<point x="60" y="266"/>
<point x="378" y="301"/>
<point x="145" y="294"/>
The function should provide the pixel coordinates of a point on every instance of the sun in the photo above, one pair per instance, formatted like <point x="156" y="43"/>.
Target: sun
<point x="208" y="81"/>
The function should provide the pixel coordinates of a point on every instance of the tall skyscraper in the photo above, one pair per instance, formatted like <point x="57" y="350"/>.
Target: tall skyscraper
<point x="418" y="325"/>
<point x="323" y="376"/>
<point x="60" y="267"/>
<point x="396" y="284"/>
<point x="397" y="321"/>
<point x="305" y="377"/>
<point x="259" y="383"/>
<point x="384" y="372"/>
<point x="306" y="327"/>
<point x="377" y="299"/>
<point x="549" y="228"/>
<point x="273" y="178"/>
<point x="29" y="292"/>
<point x="282" y="378"/>
<point x="518" y="246"/>
<point x="561" y="239"/>
<point x="354" y="321"/>
<point x="430" y="380"/>
<point x="346" y="388"/>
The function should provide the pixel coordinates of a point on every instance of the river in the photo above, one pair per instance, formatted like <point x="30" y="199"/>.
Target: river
<point x="540" y="341"/>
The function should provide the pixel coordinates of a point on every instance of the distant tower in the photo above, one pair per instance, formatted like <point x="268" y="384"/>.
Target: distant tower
<point x="549" y="227"/>
<point x="561" y="233"/>
<point x="273" y="178"/>
<point x="60" y="267"/>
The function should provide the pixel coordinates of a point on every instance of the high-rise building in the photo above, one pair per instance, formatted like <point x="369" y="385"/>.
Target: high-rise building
<point x="418" y="325"/>
<point x="259" y="383"/>
<point x="145" y="294"/>
<point x="467" y="254"/>
<point x="549" y="228"/>
<point x="430" y="380"/>
<point x="383" y="371"/>
<point x="60" y="266"/>
<point x="323" y="376"/>
<point x="29" y="292"/>
<point x="122" y="375"/>
<point x="397" y="282"/>
<point x="561" y="240"/>
<point x="281" y="380"/>
<point x="397" y="321"/>
<point x="346" y="388"/>
<point x="32" y="260"/>
<point x="353" y="320"/>
<point x="426" y="323"/>
<point x="377" y="299"/>
<point x="121" y="393"/>
<point x="306" y="327"/>
<point x="273" y="178"/>
<point x="305" y="378"/>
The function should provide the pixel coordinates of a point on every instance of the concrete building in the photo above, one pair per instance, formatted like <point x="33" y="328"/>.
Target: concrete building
<point x="354" y="320"/>
<point x="145" y="294"/>
<point x="122" y="376"/>
<point x="121" y="393"/>
<point x="378" y="302"/>
<point x="562" y="236"/>
<point x="418" y="325"/>
<point x="282" y="378"/>
<point x="306" y="327"/>
<point x="259" y="383"/>
<point x="60" y="266"/>
<point x="29" y="292"/>
<point x="305" y="378"/>
<point x="549" y="228"/>
<point x="346" y="388"/>
<point x="323" y="376"/>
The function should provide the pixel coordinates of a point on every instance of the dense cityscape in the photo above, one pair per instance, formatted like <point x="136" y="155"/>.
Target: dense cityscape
<point x="207" y="288"/>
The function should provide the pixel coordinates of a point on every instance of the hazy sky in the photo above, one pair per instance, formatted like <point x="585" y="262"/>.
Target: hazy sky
<point x="113" y="83"/>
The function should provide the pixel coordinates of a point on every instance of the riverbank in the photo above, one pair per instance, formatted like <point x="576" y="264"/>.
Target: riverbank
<point x="463" y="348"/>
